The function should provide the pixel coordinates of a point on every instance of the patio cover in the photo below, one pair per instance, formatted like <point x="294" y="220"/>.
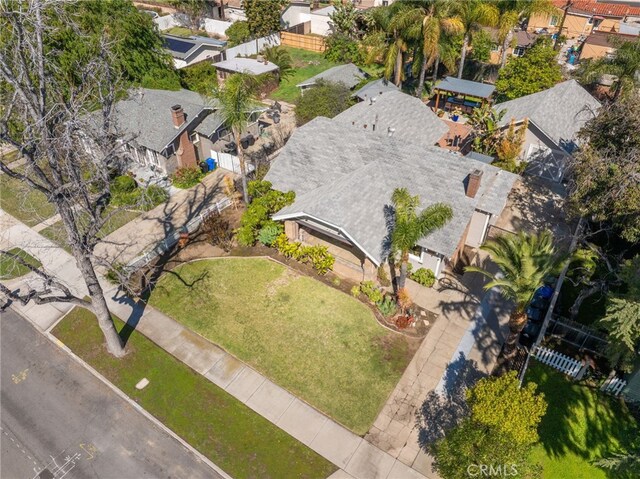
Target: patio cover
<point x="465" y="87"/>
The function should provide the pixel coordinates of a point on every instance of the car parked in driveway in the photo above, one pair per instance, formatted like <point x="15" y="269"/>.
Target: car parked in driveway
<point x="535" y="315"/>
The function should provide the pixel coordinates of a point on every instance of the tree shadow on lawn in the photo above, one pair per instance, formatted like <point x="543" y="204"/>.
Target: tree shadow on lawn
<point x="446" y="405"/>
<point x="579" y="419"/>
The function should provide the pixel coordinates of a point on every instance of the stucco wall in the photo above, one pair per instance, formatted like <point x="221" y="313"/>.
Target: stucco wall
<point x="294" y="15"/>
<point x="574" y="25"/>
<point x="320" y="24"/>
<point x="595" y="51"/>
<point x="534" y="136"/>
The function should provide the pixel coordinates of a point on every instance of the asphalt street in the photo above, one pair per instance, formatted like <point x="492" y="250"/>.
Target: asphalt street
<point x="59" y="421"/>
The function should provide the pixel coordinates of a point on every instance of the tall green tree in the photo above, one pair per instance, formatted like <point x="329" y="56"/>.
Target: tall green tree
<point x="485" y="122"/>
<point x="201" y="77"/>
<point x="474" y="14"/>
<point x="137" y="46"/>
<point x="236" y="99"/>
<point x="622" y="322"/>
<point x="263" y="16"/>
<point x="344" y="20"/>
<point x="409" y="226"/>
<point x="238" y="33"/>
<point x="499" y="431"/>
<point x="625" y="64"/>
<point x="324" y="99"/>
<point x="535" y="71"/>
<point x="427" y="22"/>
<point x="524" y="262"/>
<point x="604" y="182"/>
<point x="195" y="10"/>
<point x="512" y="13"/>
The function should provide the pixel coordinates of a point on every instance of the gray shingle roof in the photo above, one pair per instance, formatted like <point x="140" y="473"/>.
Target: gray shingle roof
<point x="246" y="65"/>
<point x="407" y="116"/>
<point x="349" y="74"/>
<point x="346" y="177"/>
<point x="559" y="112"/>
<point x="465" y="87"/>
<point x="374" y="89"/>
<point x="184" y="47"/>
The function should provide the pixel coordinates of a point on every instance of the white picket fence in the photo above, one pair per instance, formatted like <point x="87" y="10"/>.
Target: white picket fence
<point x="613" y="386"/>
<point x="559" y="361"/>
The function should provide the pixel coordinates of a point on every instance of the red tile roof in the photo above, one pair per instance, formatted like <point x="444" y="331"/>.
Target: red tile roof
<point x="598" y="8"/>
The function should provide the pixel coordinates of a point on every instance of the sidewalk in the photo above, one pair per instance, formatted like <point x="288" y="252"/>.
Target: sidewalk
<point x="356" y="457"/>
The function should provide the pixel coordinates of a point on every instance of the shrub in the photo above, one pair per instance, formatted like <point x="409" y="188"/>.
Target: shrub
<point x="123" y="184"/>
<point x="126" y="198"/>
<point x="238" y="33"/>
<point x="355" y="291"/>
<point x="342" y="49"/>
<point x="217" y="230"/>
<point x="269" y="233"/>
<point x="371" y="291"/>
<point x="265" y="202"/>
<point x="324" y="99"/>
<point x="387" y="306"/>
<point x="383" y="277"/>
<point x="424" y="276"/>
<point x="153" y="196"/>
<point x="319" y="256"/>
<point x="201" y="78"/>
<point x="187" y="177"/>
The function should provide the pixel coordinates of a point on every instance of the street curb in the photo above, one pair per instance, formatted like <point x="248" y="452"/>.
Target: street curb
<point x="130" y="401"/>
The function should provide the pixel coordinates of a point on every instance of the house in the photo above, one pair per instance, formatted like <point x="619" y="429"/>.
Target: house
<point x="188" y="51"/>
<point x="250" y="66"/>
<point x="308" y="21"/>
<point x="348" y="74"/>
<point x="555" y="117"/>
<point x="374" y="89"/>
<point x="398" y="115"/>
<point x="603" y="44"/>
<point x="166" y="130"/>
<point x="523" y="40"/>
<point x="583" y="18"/>
<point x="344" y="178"/>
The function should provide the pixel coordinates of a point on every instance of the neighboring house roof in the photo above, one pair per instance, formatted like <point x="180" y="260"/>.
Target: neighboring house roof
<point x="609" y="40"/>
<point x="350" y="187"/>
<point x="592" y="7"/>
<point x="325" y="12"/>
<point x="146" y="115"/>
<point x="559" y="112"/>
<point x="210" y="124"/>
<point x="375" y="89"/>
<point x="465" y="87"/>
<point x="246" y="65"/>
<point x="184" y="47"/>
<point x="398" y="115"/>
<point x="349" y="74"/>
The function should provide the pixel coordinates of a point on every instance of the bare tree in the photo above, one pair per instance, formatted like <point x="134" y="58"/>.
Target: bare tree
<point x="62" y="128"/>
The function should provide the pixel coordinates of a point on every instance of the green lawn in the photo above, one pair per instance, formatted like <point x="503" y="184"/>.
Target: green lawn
<point x="321" y="344"/>
<point x="10" y="268"/>
<point x="181" y="32"/>
<point x="58" y="235"/>
<point x="234" y="437"/>
<point x="305" y="65"/>
<point x="26" y="204"/>
<point x="581" y="425"/>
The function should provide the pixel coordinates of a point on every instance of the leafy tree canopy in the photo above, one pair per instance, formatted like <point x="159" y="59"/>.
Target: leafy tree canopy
<point x="263" y="16"/>
<point x="135" y="42"/>
<point x="622" y="321"/>
<point x="537" y="70"/>
<point x="324" y="99"/>
<point x="343" y="49"/>
<point x="605" y="184"/>
<point x="238" y="33"/>
<point x="201" y="78"/>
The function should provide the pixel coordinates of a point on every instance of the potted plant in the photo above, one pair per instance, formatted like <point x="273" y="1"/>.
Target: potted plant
<point x="455" y="114"/>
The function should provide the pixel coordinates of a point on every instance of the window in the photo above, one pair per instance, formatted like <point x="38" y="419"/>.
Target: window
<point x="518" y="51"/>
<point x="385" y="3"/>
<point x="554" y="20"/>
<point x="590" y="21"/>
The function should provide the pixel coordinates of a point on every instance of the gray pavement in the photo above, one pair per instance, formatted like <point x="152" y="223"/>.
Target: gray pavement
<point x="57" y="417"/>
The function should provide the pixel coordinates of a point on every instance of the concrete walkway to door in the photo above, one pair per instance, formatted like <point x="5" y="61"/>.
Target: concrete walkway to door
<point x="146" y="231"/>
<point x="466" y="336"/>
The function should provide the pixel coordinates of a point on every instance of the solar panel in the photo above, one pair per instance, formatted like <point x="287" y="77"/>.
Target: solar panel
<point x="180" y="46"/>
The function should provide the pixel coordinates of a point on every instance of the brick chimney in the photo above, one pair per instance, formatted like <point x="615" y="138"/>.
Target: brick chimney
<point x="177" y="115"/>
<point x="473" y="183"/>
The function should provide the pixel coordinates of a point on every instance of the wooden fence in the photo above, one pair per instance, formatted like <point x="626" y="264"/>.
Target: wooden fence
<point x="306" y="42"/>
<point x="559" y="361"/>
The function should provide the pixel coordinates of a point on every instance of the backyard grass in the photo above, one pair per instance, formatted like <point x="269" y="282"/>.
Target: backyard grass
<point x="319" y="343"/>
<point x="58" y="235"/>
<point x="234" y="437"/>
<point x="11" y="268"/>
<point x="581" y="425"/>
<point x="181" y="32"/>
<point x="305" y="65"/>
<point x="24" y="203"/>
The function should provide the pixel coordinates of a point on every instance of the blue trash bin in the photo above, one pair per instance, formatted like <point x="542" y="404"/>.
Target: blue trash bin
<point x="211" y="164"/>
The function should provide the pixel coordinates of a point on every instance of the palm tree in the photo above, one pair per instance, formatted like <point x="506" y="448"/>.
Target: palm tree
<point x="625" y="64"/>
<point x="236" y="100"/>
<point x="511" y="13"/>
<point x="387" y="43"/>
<point x="280" y="57"/>
<point x="409" y="226"/>
<point x="525" y="261"/>
<point x="428" y="22"/>
<point x="474" y="14"/>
